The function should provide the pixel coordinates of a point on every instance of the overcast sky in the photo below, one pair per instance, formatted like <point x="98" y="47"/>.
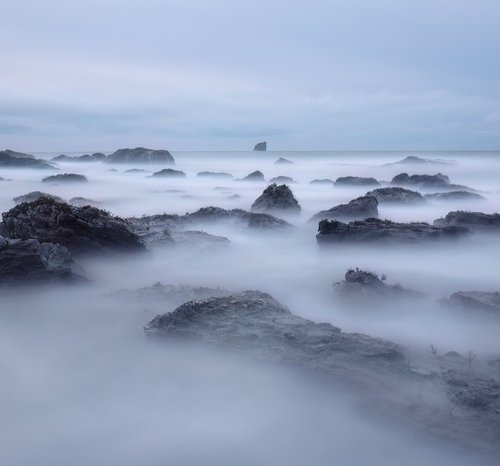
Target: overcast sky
<point x="219" y="74"/>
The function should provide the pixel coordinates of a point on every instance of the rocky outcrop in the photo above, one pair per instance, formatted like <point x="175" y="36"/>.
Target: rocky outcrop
<point x="395" y="195"/>
<point x="356" y="181"/>
<point x="11" y="159"/>
<point x="282" y="179"/>
<point x="438" y="181"/>
<point x="276" y="198"/>
<point x="323" y="181"/>
<point x="97" y="157"/>
<point x="454" y="196"/>
<point x="357" y="209"/>
<point x="169" y="173"/>
<point x="485" y="302"/>
<point x="17" y="155"/>
<point x="260" y="146"/>
<point x="476" y="221"/>
<point x="65" y="178"/>
<point x="35" y="195"/>
<point x="81" y="229"/>
<point x="140" y="155"/>
<point x="254" y="176"/>
<point x="136" y="170"/>
<point x="414" y="160"/>
<point x="383" y="231"/>
<point x="30" y="262"/>
<point x="214" y="175"/>
<point x="282" y="161"/>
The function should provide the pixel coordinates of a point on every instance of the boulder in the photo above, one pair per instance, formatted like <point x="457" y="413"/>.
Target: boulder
<point x="475" y="221"/>
<point x="282" y="179"/>
<point x="140" y="155"/>
<point x="65" y="178"/>
<point x="254" y="176"/>
<point x="356" y="181"/>
<point x="357" y="209"/>
<point x="323" y="181"/>
<point x="454" y="196"/>
<point x="276" y="198"/>
<point x="29" y="262"/>
<point x="437" y="181"/>
<point x="33" y="196"/>
<point x="383" y="231"/>
<point x="260" y="146"/>
<point x="214" y="175"/>
<point x="169" y="173"/>
<point x="80" y="229"/>
<point x="396" y="195"/>
<point x="486" y="302"/>
<point x="282" y="161"/>
<point x="11" y="159"/>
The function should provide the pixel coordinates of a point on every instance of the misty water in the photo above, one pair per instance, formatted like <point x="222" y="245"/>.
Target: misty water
<point x="82" y="384"/>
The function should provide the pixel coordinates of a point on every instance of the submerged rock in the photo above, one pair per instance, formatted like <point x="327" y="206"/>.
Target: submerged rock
<point x="214" y="175"/>
<point x="169" y="173"/>
<point x="282" y="179"/>
<point x="136" y="170"/>
<point x="384" y="231"/>
<point x="356" y="181"/>
<point x="414" y="160"/>
<point x="260" y="146"/>
<point x="11" y="159"/>
<point x="396" y="195"/>
<point x="454" y="196"/>
<point x="29" y="262"/>
<point x="282" y="161"/>
<point x="65" y="178"/>
<point x="80" y="229"/>
<point x="254" y="176"/>
<point x="438" y="181"/>
<point x="97" y="157"/>
<point x="487" y="302"/>
<point x="276" y="198"/>
<point x="325" y="181"/>
<point x="35" y="195"/>
<point x="357" y="209"/>
<point x="140" y="155"/>
<point x="476" y="221"/>
<point x="17" y="155"/>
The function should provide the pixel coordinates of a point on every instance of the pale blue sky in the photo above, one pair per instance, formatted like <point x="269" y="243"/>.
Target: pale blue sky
<point x="221" y="74"/>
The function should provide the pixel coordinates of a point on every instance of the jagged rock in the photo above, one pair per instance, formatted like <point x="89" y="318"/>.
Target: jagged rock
<point x="325" y="181"/>
<point x="214" y="175"/>
<point x="384" y="231"/>
<point x="260" y="146"/>
<point x="65" y="178"/>
<point x="140" y="155"/>
<point x="368" y="288"/>
<point x="136" y="170"/>
<point x="169" y="173"/>
<point x="282" y="179"/>
<point x="254" y="176"/>
<point x="356" y="181"/>
<point x="487" y="302"/>
<point x="33" y="196"/>
<point x="81" y="201"/>
<point x="454" y="196"/>
<point x="438" y="181"/>
<point x="97" y="157"/>
<point x="396" y="195"/>
<point x="357" y="209"/>
<point x="30" y="262"/>
<point x="282" y="161"/>
<point x="276" y="199"/>
<point x="476" y="221"/>
<point x="11" y="159"/>
<point x="80" y="229"/>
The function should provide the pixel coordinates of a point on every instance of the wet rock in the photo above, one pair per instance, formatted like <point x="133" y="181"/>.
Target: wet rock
<point x="80" y="229"/>
<point x="169" y="173"/>
<point x="357" y="209"/>
<point x="282" y="161"/>
<point x="325" y="181"/>
<point x="356" y="181"/>
<point x="396" y="195"/>
<point x="260" y="146"/>
<point x="11" y="159"/>
<point x="276" y="198"/>
<point x="454" y="196"/>
<point x="486" y="302"/>
<point x="383" y="231"/>
<point x="254" y="176"/>
<point x="475" y="221"/>
<point x="30" y="262"/>
<point x="214" y="175"/>
<point x="65" y="178"/>
<point x="140" y="155"/>
<point x="282" y="179"/>
<point x="35" y="195"/>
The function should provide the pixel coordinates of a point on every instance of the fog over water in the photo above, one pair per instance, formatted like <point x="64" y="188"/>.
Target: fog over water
<point x="82" y="384"/>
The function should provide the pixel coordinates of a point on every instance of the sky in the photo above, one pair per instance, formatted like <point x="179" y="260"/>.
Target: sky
<point x="222" y="75"/>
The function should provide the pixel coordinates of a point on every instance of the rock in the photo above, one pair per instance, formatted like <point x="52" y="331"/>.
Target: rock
<point x="254" y="176"/>
<point x="276" y="198"/>
<point x="282" y="179"/>
<point x="414" y="160"/>
<point x="81" y="201"/>
<point x="196" y="239"/>
<point x="169" y="173"/>
<point x="438" y="181"/>
<point x="356" y="181"/>
<point x="357" y="209"/>
<point x="476" y="221"/>
<point x="29" y="262"/>
<point x="65" y="178"/>
<point x="454" y="196"/>
<point x="11" y="159"/>
<point x="383" y="231"/>
<point x="140" y="155"/>
<point x="214" y="175"/>
<point x="487" y="302"/>
<point x="325" y="181"/>
<point x="395" y="195"/>
<point x="33" y="196"/>
<point x="282" y="161"/>
<point x="368" y="288"/>
<point x="136" y="170"/>
<point x="260" y="146"/>
<point x="80" y="229"/>
<point x="97" y="157"/>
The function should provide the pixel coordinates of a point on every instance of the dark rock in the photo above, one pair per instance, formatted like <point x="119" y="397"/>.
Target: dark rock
<point x="260" y="146"/>
<point x="325" y="181"/>
<point x="80" y="229"/>
<point x="140" y="155"/>
<point x="356" y="181"/>
<point x="33" y="196"/>
<point x="384" y="231"/>
<point x="438" y="181"/>
<point x="214" y="175"/>
<point x="136" y="170"/>
<point x="395" y="195"/>
<point x="11" y="159"/>
<point x="65" y="178"/>
<point x="476" y="221"/>
<point x="169" y="173"/>
<point x="17" y="155"/>
<point x="282" y="179"/>
<point x="282" y="161"/>
<point x="276" y="199"/>
<point x="357" y="209"/>
<point x="487" y="302"/>
<point x="254" y="176"/>
<point x="97" y="157"/>
<point x="30" y="262"/>
<point x="454" y="196"/>
<point x="414" y="160"/>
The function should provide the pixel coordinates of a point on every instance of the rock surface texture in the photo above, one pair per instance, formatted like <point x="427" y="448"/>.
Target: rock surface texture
<point x="140" y="155"/>
<point x="276" y="198"/>
<point x="357" y="209"/>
